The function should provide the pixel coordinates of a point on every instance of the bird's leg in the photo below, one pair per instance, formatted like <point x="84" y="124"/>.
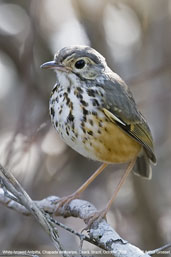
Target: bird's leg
<point x="77" y="193"/>
<point x="102" y="214"/>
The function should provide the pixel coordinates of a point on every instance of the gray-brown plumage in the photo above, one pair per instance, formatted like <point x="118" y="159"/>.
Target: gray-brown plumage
<point x="94" y="112"/>
<point x="97" y="81"/>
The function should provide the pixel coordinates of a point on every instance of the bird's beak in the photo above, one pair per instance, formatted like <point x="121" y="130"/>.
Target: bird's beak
<point x="55" y="66"/>
<point x="49" y="65"/>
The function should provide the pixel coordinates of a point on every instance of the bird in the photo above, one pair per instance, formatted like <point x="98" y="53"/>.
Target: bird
<point x="94" y="112"/>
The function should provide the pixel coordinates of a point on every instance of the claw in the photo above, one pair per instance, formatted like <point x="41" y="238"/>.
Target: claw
<point x="65" y="200"/>
<point x="95" y="217"/>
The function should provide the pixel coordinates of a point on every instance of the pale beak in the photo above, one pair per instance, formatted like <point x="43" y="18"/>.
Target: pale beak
<point x="55" y="66"/>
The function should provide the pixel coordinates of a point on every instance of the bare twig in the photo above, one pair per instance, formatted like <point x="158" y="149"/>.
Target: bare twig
<point x="160" y="249"/>
<point x="144" y="77"/>
<point x="101" y="234"/>
<point x="13" y="186"/>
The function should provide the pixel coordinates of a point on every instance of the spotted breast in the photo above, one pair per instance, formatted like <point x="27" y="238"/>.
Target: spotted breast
<point x="77" y="114"/>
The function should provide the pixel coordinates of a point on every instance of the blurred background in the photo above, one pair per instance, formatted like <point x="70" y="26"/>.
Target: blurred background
<point x="135" y="38"/>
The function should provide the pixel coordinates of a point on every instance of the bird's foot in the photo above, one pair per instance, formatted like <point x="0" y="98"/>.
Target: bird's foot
<point x="95" y="217"/>
<point x="65" y="200"/>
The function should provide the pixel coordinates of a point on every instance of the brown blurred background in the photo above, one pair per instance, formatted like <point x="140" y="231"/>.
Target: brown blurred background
<point x="135" y="38"/>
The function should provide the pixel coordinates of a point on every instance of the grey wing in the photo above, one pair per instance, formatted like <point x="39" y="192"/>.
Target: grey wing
<point x="121" y="107"/>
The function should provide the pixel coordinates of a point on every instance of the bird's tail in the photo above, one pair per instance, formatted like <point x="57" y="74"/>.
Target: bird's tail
<point x="142" y="166"/>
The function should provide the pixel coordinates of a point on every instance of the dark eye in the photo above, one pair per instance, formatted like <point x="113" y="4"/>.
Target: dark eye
<point x="80" y="64"/>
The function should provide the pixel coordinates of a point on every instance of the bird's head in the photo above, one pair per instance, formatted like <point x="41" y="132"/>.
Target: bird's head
<point x="83" y="61"/>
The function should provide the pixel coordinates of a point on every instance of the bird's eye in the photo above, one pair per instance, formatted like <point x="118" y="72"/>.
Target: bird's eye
<point x="80" y="64"/>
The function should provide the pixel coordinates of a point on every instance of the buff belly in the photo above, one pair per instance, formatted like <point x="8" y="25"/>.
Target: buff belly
<point x="87" y="130"/>
<point x="107" y="143"/>
<point x="113" y="145"/>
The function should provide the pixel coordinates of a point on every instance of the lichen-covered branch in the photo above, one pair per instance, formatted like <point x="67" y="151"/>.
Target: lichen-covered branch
<point x="100" y="233"/>
<point x="10" y="184"/>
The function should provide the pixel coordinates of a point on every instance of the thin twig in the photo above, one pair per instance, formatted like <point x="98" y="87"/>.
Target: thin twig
<point x="144" y="77"/>
<point x="100" y="233"/>
<point x="164" y="247"/>
<point x="13" y="186"/>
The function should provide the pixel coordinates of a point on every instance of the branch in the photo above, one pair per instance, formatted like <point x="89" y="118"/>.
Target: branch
<point x="100" y="234"/>
<point x="12" y="185"/>
<point x="158" y="250"/>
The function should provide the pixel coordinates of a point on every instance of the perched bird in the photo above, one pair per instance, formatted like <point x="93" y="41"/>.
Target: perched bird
<point x="94" y="112"/>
